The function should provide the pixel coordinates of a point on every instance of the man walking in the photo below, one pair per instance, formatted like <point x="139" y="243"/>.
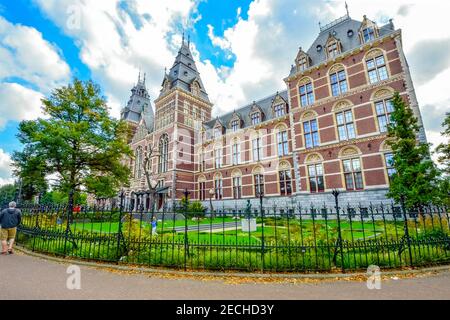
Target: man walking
<point x="9" y="220"/>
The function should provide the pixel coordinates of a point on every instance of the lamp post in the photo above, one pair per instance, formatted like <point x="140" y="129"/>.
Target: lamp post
<point x="211" y="193"/>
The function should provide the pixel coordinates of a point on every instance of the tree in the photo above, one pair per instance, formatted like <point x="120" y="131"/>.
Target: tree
<point x="77" y="140"/>
<point x="444" y="148"/>
<point x="416" y="177"/>
<point x="443" y="151"/>
<point x="7" y="193"/>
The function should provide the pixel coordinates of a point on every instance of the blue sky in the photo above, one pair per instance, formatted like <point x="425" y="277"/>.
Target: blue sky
<point x="243" y="48"/>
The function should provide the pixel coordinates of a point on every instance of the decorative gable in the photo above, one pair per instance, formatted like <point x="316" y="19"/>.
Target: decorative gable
<point x="195" y="87"/>
<point x="302" y="61"/>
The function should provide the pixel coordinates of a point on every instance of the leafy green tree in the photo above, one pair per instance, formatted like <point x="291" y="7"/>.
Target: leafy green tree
<point x="444" y="148"/>
<point x="416" y="177"/>
<point x="7" y="193"/>
<point x="77" y="140"/>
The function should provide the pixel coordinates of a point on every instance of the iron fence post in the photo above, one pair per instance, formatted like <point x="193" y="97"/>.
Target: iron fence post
<point x="68" y="213"/>
<point x="335" y="193"/>
<point x="261" y="194"/>
<point x="119" y="231"/>
<point x="186" y="244"/>
<point x="405" y="226"/>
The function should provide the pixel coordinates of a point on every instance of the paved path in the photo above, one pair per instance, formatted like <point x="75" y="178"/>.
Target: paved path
<point x="26" y="277"/>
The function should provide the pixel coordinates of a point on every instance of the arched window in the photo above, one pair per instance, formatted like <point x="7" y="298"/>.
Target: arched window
<point x="218" y="157"/>
<point x="237" y="184"/>
<point x="282" y="142"/>
<point x="284" y="172"/>
<point x="138" y="163"/>
<point x="306" y="93"/>
<point x="163" y="153"/>
<point x="315" y="173"/>
<point x="338" y="81"/>
<point x="376" y="66"/>
<point x="384" y="108"/>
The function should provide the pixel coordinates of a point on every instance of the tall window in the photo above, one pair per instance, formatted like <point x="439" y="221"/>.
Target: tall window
<point x="345" y="125"/>
<point x="311" y="134"/>
<point x="256" y="118"/>
<point x="282" y="140"/>
<point x="218" y="157"/>
<point x="384" y="109"/>
<point x="353" y="174"/>
<point x="202" y="191"/>
<point x="259" y="184"/>
<point x="201" y="161"/>
<point x="306" y="95"/>
<point x="218" y="188"/>
<point x="138" y="164"/>
<point x="333" y="49"/>
<point x="338" y="83"/>
<point x="235" y="125"/>
<point x="303" y="63"/>
<point x="389" y="159"/>
<point x="237" y="188"/>
<point x="279" y="110"/>
<point x="285" y="183"/>
<point x="163" y="153"/>
<point x="257" y="149"/>
<point x="377" y="69"/>
<point x="236" y="153"/>
<point x="217" y="132"/>
<point x="368" y="34"/>
<point x="316" y="182"/>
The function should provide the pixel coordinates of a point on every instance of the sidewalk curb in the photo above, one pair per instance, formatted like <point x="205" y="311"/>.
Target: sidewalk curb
<point x="156" y="271"/>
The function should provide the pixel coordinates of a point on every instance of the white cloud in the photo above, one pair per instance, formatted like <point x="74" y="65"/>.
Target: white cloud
<point x="115" y="42"/>
<point x="5" y="168"/>
<point x="18" y="103"/>
<point x="26" y="56"/>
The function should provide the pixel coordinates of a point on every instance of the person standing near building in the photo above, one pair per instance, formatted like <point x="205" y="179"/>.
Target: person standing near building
<point x="9" y="220"/>
<point x="154" y="225"/>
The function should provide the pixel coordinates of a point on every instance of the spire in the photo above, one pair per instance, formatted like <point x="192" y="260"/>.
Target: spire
<point x="144" y="77"/>
<point x="182" y="39"/>
<point x="346" y="8"/>
<point x="189" y="41"/>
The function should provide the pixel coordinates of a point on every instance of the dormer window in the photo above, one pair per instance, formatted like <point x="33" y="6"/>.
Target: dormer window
<point x="368" y="34"/>
<point x="368" y="31"/>
<point x="256" y="118"/>
<point x="235" y="125"/>
<point x="333" y="49"/>
<point x="302" y="60"/>
<point x="279" y="110"/>
<point x="195" y="88"/>
<point x="217" y="132"/>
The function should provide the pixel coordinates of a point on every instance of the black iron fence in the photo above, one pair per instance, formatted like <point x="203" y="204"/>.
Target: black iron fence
<point x="289" y="239"/>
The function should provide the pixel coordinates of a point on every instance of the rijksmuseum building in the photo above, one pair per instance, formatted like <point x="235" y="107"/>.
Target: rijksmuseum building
<point x="326" y="131"/>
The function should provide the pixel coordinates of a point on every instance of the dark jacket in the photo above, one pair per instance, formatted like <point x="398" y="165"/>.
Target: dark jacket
<point x="10" y="218"/>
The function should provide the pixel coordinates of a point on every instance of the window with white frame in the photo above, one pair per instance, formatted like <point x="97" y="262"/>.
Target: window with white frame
<point x="384" y="108"/>
<point x="257" y="149"/>
<point x="163" y="154"/>
<point x="346" y="128"/>
<point x="311" y="134"/>
<point x="316" y="180"/>
<point x="218" y="188"/>
<point x="237" y="188"/>
<point x="235" y="125"/>
<point x="333" y="49"/>
<point x="338" y="83"/>
<point x="368" y="34"/>
<point x="236" y="153"/>
<point x="377" y="70"/>
<point x="302" y="63"/>
<point x="217" y="132"/>
<point x="279" y="110"/>
<point x="306" y="94"/>
<point x="353" y="174"/>
<point x="218" y="157"/>
<point x="285" y="182"/>
<point x="259" y="184"/>
<point x="202" y="191"/>
<point x="282" y="141"/>
<point x="256" y="118"/>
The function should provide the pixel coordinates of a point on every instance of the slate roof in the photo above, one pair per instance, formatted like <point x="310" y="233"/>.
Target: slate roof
<point x="184" y="72"/>
<point x="139" y="106"/>
<point x="339" y="29"/>
<point x="244" y="112"/>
